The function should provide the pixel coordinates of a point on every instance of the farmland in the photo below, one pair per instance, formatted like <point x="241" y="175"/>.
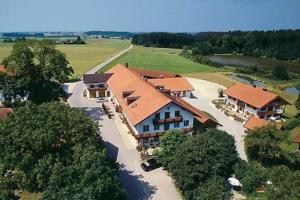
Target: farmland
<point x="82" y="57"/>
<point x="163" y="59"/>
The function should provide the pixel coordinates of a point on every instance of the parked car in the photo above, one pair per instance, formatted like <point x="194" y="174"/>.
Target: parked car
<point x="150" y="164"/>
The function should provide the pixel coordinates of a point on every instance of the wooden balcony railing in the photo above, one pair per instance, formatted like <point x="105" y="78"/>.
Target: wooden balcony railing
<point x="168" y="120"/>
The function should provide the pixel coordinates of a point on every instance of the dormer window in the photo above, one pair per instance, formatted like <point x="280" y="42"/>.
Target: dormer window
<point x="130" y="100"/>
<point x="126" y="93"/>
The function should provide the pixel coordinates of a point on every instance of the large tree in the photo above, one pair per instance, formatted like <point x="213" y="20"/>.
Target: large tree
<point x="38" y="72"/>
<point x="263" y="145"/>
<point x="200" y="160"/>
<point x="169" y="144"/>
<point x="285" y="184"/>
<point x="57" y="151"/>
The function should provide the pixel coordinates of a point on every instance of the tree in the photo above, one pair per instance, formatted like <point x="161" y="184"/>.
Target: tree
<point x="280" y="72"/>
<point x="263" y="144"/>
<point x="57" y="151"/>
<point x="201" y="158"/>
<point x="169" y="143"/>
<point x="297" y="103"/>
<point x="252" y="175"/>
<point x="39" y="71"/>
<point x="285" y="184"/>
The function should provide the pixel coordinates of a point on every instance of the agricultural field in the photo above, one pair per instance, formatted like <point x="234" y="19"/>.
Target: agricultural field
<point x="82" y="57"/>
<point x="163" y="59"/>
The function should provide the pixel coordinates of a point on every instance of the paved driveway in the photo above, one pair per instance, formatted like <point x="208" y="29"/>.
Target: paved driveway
<point x="120" y="145"/>
<point x="205" y="92"/>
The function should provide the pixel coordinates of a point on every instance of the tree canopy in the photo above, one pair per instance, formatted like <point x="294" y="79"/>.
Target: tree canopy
<point x="281" y="44"/>
<point x="38" y="72"/>
<point x="200" y="164"/>
<point x="57" y="151"/>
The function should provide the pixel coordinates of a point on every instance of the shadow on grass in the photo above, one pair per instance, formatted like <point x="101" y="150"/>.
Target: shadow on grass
<point x="135" y="186"/>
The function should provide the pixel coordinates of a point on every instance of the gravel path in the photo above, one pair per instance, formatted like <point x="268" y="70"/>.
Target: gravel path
<point x="205" y="92"/>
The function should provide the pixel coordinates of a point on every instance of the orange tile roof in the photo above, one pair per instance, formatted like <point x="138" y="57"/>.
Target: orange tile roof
<point x="2" y="69"/>
<point x="250" y="95"/>
<point x="297" y="139"/>
<point x="254" y="122"/>
<point x="4" y="111"/>
<point x="153" y="73"/>
<point x="174" y="84"/>
<point x="150" y="100"/>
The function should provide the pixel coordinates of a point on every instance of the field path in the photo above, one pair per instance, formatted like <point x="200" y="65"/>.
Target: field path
<point x="98" y="67"/>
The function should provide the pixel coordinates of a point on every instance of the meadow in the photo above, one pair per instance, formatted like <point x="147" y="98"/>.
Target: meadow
<point x="163" y="59"/>
<point x="82" y="57"/>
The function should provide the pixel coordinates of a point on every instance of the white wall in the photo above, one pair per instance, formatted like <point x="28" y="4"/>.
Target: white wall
<point x="172" y="107"/>
<point x="251" y="110"/>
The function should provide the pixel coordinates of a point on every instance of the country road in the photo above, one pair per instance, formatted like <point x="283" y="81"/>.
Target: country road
<point x="98" y="67"/>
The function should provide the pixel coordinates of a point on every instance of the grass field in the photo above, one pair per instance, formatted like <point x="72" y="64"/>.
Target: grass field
<point x="82" y="57"/>
<point x="162" y="59"/>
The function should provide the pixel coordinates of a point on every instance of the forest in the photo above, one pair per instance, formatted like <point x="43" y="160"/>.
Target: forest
<point x="280" y="44"/>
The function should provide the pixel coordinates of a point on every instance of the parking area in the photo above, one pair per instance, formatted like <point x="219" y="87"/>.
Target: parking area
<point x="205" y="92"/>
<point x="121" y="146"/>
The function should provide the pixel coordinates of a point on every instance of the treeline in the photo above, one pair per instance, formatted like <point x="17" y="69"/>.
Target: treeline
<point x="22" y="35"/>
<point x="281" y="44"/>
<point x="121" y="34"/>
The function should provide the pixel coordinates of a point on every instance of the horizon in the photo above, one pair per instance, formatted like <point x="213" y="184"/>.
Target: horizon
<point x="144" y="16"/>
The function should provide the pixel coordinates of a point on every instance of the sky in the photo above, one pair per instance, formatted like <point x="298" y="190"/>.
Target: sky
<point x="148" y="15"/>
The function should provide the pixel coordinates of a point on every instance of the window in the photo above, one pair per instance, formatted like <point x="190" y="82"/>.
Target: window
<point x="156" y="127"/>
<point x="156" y="139"/>
<point x="167" y="115"/>
<point x="186" y="122"/>
<point x="177" y="113"/>
<point x="176" y="124"/>
<point x="146" y="128"/>
<point x="92" y="86"/>
<point x="157" y="116"/>
<point x="166" y="127"/>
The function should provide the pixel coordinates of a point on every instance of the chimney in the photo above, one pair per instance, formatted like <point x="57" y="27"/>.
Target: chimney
<point x="254" y="86"/>
<point x="126" y="65"/>
<point x="265" y="89"/>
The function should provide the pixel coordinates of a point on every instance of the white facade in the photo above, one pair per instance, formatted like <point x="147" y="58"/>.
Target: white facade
<point x="95" y="87"/>
<point x="182" y="94"/>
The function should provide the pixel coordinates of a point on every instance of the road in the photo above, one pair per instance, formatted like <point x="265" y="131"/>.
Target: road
<point x="205" y="92"/>
<point x="138" y="184"/>
<point x="98" y="67"/>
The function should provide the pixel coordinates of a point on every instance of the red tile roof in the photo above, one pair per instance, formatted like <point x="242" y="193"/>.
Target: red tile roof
<point x="254" y="122"/>
<point x="4" y="112"/>
<point x="147" y="100"/>
<point x="174" y="84"/>
<point x="153" y="73"/>
<point x="297" y="139"/>
<point x="250" y="95"/>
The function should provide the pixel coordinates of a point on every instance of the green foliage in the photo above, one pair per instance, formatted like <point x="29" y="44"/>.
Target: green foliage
<point x="263" y="144"/>
<point x="292" y="123"/>
<point x="282" y="44"/>
<point x="285" y="184"/>
<point x="202" y="158"/>
<point x="252" y="175"/>
<point x="169" y="143"/>
<point x="215" y="188"/>
<point x="280" y="73"/>
<point x="57" y="151"/>
<point x="39" y="71"/>
<point x="297" y="103"/>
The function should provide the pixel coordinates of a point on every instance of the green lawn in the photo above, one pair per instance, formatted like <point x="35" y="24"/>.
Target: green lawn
<point x="5" y="49"/>
<point x="82" y="57"/>
<point x="162" y="59"/>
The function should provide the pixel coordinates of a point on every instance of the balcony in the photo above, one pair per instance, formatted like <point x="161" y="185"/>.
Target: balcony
<point x="168" y="120"/>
